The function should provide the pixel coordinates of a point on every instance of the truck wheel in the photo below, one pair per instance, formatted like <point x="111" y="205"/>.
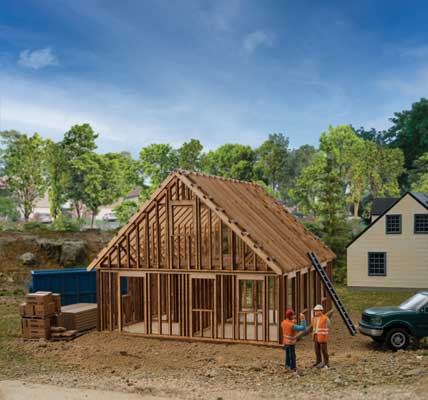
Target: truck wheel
<point x="397" y="339"/>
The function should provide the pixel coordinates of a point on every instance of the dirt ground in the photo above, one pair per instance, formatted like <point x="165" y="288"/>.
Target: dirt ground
<point x="195" y="370"/>
<point x="153" y="368"/>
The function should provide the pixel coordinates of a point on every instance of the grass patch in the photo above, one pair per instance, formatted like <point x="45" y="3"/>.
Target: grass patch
<point x="359" y="300"/>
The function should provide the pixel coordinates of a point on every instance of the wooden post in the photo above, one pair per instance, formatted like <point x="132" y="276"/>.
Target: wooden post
<point x="210" y="250"/>
<point x="191" y="306"/>
<point x="158" y="236"/>
<point x="281" y="303"/>
<point x="119" y="304"/>
<point x="137" y="240"/>
<point x="159" y="282"/>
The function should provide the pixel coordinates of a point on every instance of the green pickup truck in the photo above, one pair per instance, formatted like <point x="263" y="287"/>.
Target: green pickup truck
<point x="396" y="325"/>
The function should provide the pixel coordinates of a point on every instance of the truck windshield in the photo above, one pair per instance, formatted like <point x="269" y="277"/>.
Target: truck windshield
<point x="415" y="302"/>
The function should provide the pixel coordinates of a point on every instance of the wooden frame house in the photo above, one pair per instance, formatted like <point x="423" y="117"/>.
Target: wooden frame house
<point x="209" y="258"/>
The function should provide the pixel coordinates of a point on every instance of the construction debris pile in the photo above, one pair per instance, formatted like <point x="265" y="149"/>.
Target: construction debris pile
<point x="44" y="318"/>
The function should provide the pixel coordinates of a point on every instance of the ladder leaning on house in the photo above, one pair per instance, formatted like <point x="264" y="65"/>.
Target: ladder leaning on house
<point x="332" y="292"/>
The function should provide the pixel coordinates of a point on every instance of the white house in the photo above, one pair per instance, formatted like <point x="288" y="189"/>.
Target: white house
<point x="392" y="252"/>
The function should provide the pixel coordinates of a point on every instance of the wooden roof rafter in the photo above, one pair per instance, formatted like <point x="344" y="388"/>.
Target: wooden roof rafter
<point x="227" y="220"/>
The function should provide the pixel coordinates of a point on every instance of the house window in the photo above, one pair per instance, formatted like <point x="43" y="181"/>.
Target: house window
<point x="393" y="224"/>
<point x="421" y="223"/>
<point x="377" y="263"/>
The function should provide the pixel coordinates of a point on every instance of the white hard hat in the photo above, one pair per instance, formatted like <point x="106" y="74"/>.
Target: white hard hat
<point x="318" y="307"/>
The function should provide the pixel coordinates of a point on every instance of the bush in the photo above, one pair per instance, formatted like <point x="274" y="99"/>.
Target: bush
<point x="64" y="223"/>
<point x="314" y="227"/>
<point x="34" y="226"/>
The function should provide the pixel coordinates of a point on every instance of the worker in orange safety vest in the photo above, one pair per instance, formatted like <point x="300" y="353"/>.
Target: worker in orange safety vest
<point x="320" y="335"/>
<point x="289" y="329"/>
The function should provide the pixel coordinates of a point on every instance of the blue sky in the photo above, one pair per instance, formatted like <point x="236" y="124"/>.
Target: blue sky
<point x="220" y="71"/>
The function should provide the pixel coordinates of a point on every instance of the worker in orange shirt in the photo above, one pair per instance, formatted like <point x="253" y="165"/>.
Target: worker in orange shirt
<point x="289" y="329"/>
<point x="320" y="335"/>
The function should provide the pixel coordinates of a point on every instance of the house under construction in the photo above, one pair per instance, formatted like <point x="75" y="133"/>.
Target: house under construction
<point x="209" y="258"/>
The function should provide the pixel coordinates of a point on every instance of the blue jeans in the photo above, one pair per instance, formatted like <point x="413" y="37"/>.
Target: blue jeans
<point x="290" y="357"/>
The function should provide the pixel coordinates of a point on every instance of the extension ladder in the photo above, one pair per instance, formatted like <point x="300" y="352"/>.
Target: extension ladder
<point x="332" y="292"/>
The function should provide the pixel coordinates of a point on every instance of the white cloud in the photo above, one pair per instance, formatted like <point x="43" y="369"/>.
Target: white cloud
<point x="37" y="59"/>
<point x="256" y="39"/>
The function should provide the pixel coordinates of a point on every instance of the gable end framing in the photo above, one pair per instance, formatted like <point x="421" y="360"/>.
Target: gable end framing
<point x="125" y="233"/>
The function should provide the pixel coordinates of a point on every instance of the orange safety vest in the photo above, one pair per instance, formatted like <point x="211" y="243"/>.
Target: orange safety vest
<point x="320" y="329"/>
<point x="288" y="333"/>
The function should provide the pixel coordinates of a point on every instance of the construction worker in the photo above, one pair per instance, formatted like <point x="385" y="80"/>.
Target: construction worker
<point x="289" y="329"/>
<point x="320" y="335"/>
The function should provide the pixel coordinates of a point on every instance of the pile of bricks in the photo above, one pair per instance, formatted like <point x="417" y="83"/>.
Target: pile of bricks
<point x="42" y="317"/>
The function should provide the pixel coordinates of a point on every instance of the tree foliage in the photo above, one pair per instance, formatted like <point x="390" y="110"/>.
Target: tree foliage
<point x="77" y="143"/>
<point x="273" y="161"/>
<point x="125" y="211"/>
<point x="101" y="180"/>
<point x="189" y="155"/>
<point x="420" y="174"/>
<point x="231" y="161"/>
<point x="23" y="161"/>
<point x="409" y="132"/>
<point x="56" y="172"/>
<point x="156" y="162"/>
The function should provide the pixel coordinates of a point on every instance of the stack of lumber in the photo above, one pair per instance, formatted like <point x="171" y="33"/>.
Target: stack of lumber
<point x="40" y="311"/>
<point x="60" y="333"/>
<point x="80" y="316"/>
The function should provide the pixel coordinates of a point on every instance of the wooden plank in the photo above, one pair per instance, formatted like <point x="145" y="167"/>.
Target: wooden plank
<point x="182" y="203"/>
<point x="168" y="290"/>
<point x="210" y="249"/>
<point x="168" y="258"/>
<point x="191" y="306"/>
<point x="159" y="304"/>
<point x="215" y="328"/>
<point x="138" y="244"/>
<point x="147" y="240"/>
<point x="158" y="236"/>
<point x="220" y="245"/>
<point x="119" y="304"/>
<point x="128" y="252"/>
<point x="280" y="304"/>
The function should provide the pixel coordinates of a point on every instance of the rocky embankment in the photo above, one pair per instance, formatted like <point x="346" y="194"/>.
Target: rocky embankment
<point x="22" y="252"/>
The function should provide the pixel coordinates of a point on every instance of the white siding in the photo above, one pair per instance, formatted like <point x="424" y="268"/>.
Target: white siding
<point x="407" y="253"/>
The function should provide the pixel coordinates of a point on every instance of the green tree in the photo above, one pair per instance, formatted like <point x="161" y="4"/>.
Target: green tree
<point x="273" y="161"/>
<point x="409" y="132"/>
<point x="299" y="159"/>
<point x="231" y="161"/>
<point x="23" y="165"/>
<point x="126" y="171"/>
<point x="77" y="142"/>
<point x="189" y="155"/>
<point x="371" y="135"/>
<point x="156" y="162"/>
<point x="8" y="209"/>
<point x="420" y="174"/>
<point x="100" y="184"/>
<point x="306" y="191"/>
<point x="56" y="171"/>
<point x="125" y="211"/>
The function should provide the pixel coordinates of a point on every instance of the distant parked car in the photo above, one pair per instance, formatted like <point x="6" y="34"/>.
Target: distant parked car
<point x="395" y="326"/>
<point x="109" y="217"/>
